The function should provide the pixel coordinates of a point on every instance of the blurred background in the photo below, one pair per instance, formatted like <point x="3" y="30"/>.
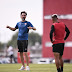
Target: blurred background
<point x="39" y="14"/>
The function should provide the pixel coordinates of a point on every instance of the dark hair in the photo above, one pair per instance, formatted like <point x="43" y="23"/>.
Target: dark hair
<point x="54" y="16"/>
<point x="7" y="46"/>
<point x="24" y="12"/>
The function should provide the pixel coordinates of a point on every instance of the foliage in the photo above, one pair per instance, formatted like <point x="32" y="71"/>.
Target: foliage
<point x="34" y="37"/>
<point x="1" y="46"/>
<point x="13" y="41"/>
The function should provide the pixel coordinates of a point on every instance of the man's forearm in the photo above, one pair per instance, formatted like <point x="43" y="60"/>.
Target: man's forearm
<point x="31" y="28"/>
<point x="67" y="34"/>
<point x="51" y="36"/>
<point x="13" y="29"/>
<point x="51" y="33"/>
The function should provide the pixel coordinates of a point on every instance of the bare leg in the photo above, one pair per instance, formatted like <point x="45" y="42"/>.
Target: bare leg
<point x="27" y="58"/>
<point x="56" y="55"/>
<point x="61" y="63"/>
<point x="22" y="58"/>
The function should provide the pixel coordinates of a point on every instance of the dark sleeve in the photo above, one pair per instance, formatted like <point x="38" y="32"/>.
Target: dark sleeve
<point x="51" y="32"/>
<point x="16" y="26"/>
<point x="30" y="24"/>
<point x="67" y="32"/>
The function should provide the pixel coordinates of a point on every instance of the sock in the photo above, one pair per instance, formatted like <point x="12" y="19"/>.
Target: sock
<point x="61" y="68"/>
<point x="58" y="70"/>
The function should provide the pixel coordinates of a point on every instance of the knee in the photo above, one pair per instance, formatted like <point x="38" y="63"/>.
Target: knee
<point x="25" y="53"/>
<point x="21" y="53"/>
<point x="60" y="57"/>
<point x="56" y="56"/>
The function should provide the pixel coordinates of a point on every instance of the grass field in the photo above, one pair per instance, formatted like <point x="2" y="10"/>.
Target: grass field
<point x="34" y="68"/>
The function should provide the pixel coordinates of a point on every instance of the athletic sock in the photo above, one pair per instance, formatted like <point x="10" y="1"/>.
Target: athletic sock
<point x="58" y="70"/>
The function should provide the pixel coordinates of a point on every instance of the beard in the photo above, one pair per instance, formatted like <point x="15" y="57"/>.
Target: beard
<point x="23" y="18"/>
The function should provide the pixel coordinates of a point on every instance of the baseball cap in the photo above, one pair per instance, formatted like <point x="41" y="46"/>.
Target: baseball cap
<point x="54" y="16"/>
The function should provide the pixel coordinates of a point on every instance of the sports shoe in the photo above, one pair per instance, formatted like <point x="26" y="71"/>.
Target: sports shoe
<point x="22" y="68"/>
<point x="27" y="68"/>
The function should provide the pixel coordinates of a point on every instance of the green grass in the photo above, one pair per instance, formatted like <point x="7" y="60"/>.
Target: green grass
<point x="34" y="68"/>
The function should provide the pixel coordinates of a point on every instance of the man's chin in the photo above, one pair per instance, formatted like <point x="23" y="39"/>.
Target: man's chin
<point x="23" y="19"/>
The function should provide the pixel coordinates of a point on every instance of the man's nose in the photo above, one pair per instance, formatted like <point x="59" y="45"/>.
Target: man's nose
<point x="23" y="16"/>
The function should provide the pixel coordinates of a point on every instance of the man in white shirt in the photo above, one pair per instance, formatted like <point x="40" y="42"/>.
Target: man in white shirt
<point x="10" y="53"/>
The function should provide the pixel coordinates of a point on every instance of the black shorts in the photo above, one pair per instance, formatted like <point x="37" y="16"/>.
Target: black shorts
<point x="22" y="45"/>
<point x="11" y="56"/>
<point x="58" y="48"/>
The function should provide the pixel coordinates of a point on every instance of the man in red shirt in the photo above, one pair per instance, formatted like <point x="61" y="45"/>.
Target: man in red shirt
<point x="57" y="34"/>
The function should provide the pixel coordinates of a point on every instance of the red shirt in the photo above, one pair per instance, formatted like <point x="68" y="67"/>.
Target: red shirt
<point x="59" y="32"/>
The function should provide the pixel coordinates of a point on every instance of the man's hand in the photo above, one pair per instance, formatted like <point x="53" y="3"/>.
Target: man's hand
<point x="53" y="41"/>
<point x="7" y="26"/>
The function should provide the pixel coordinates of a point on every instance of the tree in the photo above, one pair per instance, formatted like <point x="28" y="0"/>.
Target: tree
<point x="2" y="45"/>
<point x="34" y="37"/>
<point x="13" y="41"/>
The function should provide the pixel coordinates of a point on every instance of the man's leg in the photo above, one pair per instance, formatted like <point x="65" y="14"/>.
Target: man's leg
<point x="27" y="61"/>
<point x="10" y="60"/>
<point x="14" y="59"/>
<point x="56" y="55"/>
<point x="20" y="49"/>
<point x="61" y="63"/>
<point x="22" y="58"/>
<point x="27" y="58"/>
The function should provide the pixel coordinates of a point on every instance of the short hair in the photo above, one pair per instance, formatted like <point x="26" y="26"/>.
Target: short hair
<point x="23" y="12"/>
<point x="7" y="46"/>
<point x="54" y="16"/>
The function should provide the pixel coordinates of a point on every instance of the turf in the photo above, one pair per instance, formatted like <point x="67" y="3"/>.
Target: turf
<point x="34" y="68"/>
